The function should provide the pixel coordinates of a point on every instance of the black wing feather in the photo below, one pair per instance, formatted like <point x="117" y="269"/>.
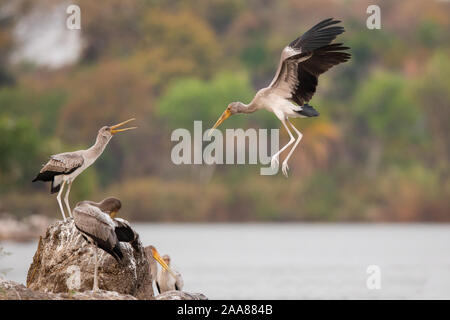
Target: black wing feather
<point x="50" y="176"/>
<point x="115" y="251"/>
<point x="309" y="70"/>
<point x="306" y="58"/>
<point x="318" y="36"/>
<point x="125" y="234"/>
<point x="305" y="91"/>
<point x="46" y="176"/>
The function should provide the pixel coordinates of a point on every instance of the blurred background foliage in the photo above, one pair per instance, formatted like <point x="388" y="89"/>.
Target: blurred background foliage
<point x="380" y="150"/>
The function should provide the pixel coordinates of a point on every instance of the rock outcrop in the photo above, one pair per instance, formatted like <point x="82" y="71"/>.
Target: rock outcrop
<point x="64" y="262"/>
<point x="180" y="295"/>
<point x="10" y="290"/>
<point x="63" y="268"/>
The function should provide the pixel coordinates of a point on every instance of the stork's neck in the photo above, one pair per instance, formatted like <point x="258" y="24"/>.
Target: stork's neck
<point x="97" y="149"/>
<point x="247" y="108"/>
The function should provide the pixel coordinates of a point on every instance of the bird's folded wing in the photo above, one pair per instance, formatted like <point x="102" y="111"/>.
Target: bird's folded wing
<point x="179" y="283"/>
<point x="95" y="223"/>
<point x="63" y="162"/>
<point x="124" y="231"/>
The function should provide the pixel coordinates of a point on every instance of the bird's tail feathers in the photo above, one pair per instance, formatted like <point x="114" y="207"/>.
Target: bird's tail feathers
<point x="56" y="185"/>
<point x="308" y="111"/>
<point x="117" y="253"/>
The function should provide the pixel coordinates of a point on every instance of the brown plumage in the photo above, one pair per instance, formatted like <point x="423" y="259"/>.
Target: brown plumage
<point x="94" y="221"/>
<point x="59" y="164"/>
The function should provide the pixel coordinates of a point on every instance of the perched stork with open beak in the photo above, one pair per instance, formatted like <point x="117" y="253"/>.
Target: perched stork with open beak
<point x="63" y="168"/>
<point x="295" y="81"/>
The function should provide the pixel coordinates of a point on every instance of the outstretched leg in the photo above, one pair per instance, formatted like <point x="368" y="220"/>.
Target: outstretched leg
<point x="66" y="198"/>
<point x="285" y="166"/>
<point x="58" y="198"/>
<point x="274" y="162"/>
<point x="95" y="288"/>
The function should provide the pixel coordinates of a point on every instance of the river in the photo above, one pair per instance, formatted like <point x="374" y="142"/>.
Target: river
<point x="293" y="261"/>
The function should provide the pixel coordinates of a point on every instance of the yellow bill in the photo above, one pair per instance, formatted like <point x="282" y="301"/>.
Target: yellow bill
<point x="225" y="115"/>
<point x="113" y="129"/>
<point x="162" y="262"/>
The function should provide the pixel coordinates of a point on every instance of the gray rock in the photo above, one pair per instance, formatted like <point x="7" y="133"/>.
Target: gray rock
<point x="180" y="295"/>
<point x="10" y="290"/>
<point x="63" y="268"/>
<point x="64" y="262"/>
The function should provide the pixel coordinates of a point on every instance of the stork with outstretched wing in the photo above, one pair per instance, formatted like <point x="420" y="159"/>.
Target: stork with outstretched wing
<point x="295" y="81"/>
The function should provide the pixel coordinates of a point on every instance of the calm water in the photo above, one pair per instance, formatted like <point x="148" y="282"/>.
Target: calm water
<point x="293" y="261"/>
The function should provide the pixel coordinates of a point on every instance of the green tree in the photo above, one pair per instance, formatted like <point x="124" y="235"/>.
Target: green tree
<point x="386" y="118"/>
<point x="192" y="99"/>
<point x="175" y="45"/>
<point x="19" y="149"/>
<point x="40" y="107"/>
<point x="433" y="92"/>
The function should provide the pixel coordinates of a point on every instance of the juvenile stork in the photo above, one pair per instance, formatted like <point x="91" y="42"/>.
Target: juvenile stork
<point x="153" y="257"/>
<point x="295" y="81"/>
<point x="63" y="168"/>
<point x="166" y="282"/>
<point x="95" y="223"/>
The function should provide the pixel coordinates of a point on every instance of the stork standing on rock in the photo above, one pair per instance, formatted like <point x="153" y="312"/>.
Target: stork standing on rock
<point x="98" y="226"/>
<point x="63" y="168"/>
<point x="295" y="81"/>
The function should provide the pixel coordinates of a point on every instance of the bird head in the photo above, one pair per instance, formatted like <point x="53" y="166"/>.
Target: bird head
<point x="109" y="131"/>
<point x="162" y="261"/>
<point x="166" y="258"/>
<point x="104" y="133"/>
<point x="111" y="206"/>
<point x="231" y="109"/>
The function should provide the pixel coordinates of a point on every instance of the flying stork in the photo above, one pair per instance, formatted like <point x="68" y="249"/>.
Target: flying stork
<point x="295" y="81"/>
<point x="63" y="168"/>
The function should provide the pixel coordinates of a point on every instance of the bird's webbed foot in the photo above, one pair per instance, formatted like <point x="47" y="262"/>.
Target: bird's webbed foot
<point x="285" y="168"/>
